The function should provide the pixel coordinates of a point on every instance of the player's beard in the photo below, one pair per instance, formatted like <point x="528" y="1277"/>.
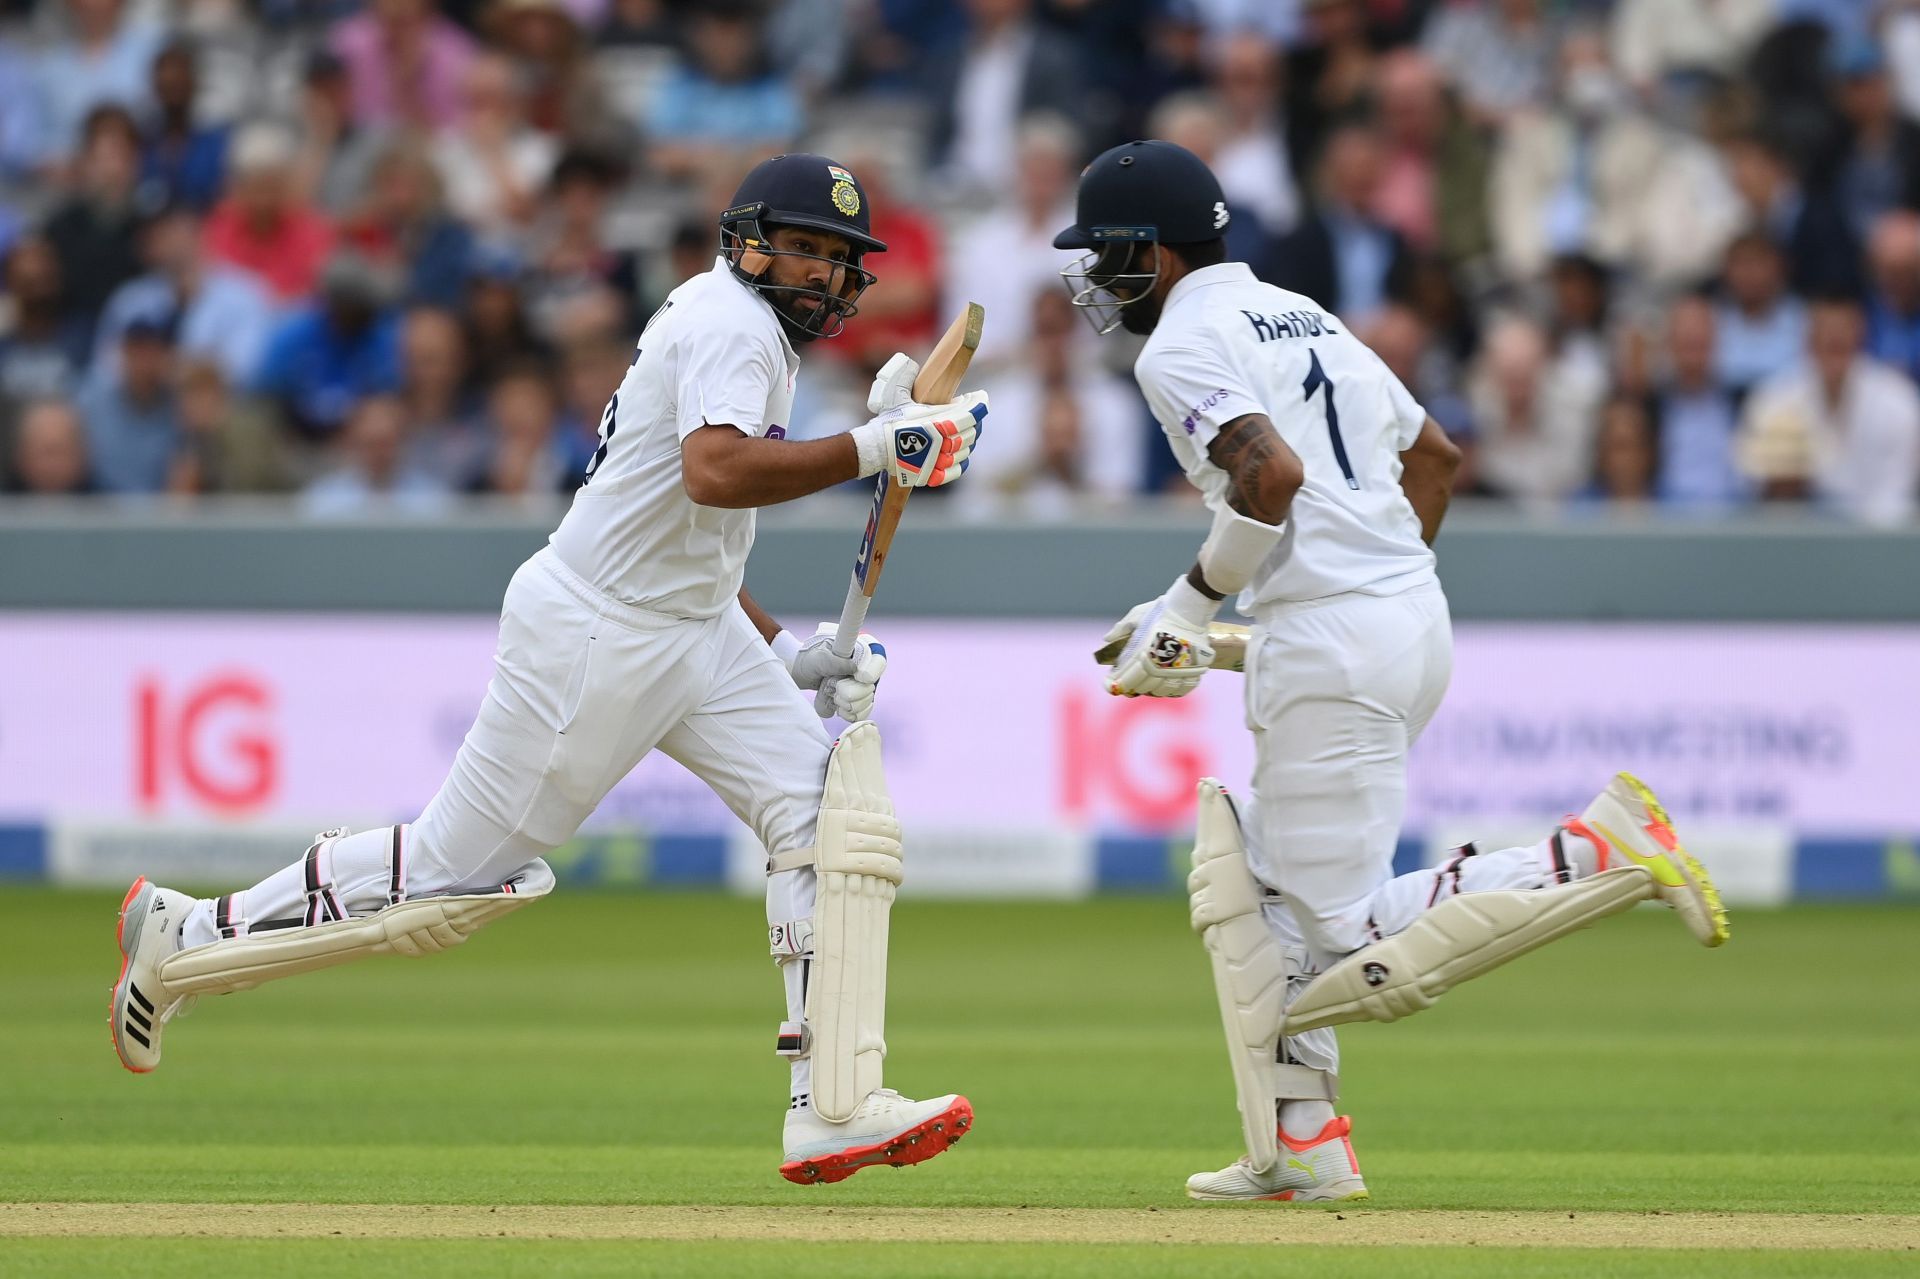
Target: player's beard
<point x="803" y="324"/>
<point x="1141" y="315"/>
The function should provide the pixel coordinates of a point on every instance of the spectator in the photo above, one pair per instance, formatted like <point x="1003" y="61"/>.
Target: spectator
<point x="1594" y="176"/>
<point x="528" y="456"/>
<point x="49" y="451"/>
<point x="1624" y="458"/>
<point x="721" y="107"/>
<point x="1008" y="68"/>
<point x="1074" y="432"/>
<point x="549" y="51"/>
<point x="94" y="231"/>
<point x="43" y="348"/>
<point x="225" y="314"/>
<point x="1341" y="255"/>
<point x="1329" y="76"/>
<point x="402" y="225"/>
<point x="1823" y="253"/>
<point x="491" y="162"/>
<point x="405" y="64"/>
<point x="1006" y="257"/>
<point x="1697" y="415"/>
<point x="807" y="41"/>
<point x="181" y="156"/>
<point x="1197" y="122"/>
<point x="1251" y="158"/>
<point x="1893" y="307"/>
<point x="499" y="329"/>
<point x="1498" y="54"/>
<point x="1579" y="294"/>
<point x="1534" y="431"/>
<point x="24" y="138"/>
<point x="1433" y="184"/>
<point x="1654" y="40"/>
<point x="330" y="354"/>
<point x="1842" y="426"/>
<point x="1877" y="157"/>
<point x="1762" y="328"/>
<point x="131" y="417"/>
<point x="103" y="59"/>
<point x="334" y="153"/>
<point x="444" y="434"/>
<point x="229" y="445"/>
<point x="264" y="224"/>
<point x="372" y="471"/>
<point x="570" y="249"/>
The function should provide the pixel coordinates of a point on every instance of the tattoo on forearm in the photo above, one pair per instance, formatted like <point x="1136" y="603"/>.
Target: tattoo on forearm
<point x="1243" y="450"/>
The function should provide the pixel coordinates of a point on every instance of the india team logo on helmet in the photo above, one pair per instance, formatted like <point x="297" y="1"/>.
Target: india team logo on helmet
<point x="846" y="198"/>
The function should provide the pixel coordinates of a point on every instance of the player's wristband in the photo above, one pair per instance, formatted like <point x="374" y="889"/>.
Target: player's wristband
<point x="786" y="647"/>
<point x="1189" y="605"/>
<point x="1235" y="549"/>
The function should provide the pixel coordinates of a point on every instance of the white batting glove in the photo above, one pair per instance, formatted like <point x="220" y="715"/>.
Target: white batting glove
<point x="1169" y="650"/>
<point x="893" y="384"/>
<point x="814" y="663"/>
<point x="920" y="445"/>
<point x="851" y="697"/>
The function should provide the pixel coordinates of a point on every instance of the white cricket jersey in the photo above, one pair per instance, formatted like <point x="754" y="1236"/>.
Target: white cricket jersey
<point x="714" y="354"/>
<point x="1228" y="345"/>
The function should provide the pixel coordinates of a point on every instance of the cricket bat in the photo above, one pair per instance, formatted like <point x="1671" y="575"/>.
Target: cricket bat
<point x="939" y="381"/>
<point x="1229" y="647"/>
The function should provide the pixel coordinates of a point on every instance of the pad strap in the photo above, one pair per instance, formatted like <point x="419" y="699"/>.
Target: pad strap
<point x="794" y="1040"/>
<point x="323" y="905"/>
<point x="1295" y="1082"/>
<point x="794" y="860"/>
<point x="228" y="920"/>
<point x="396" y="868"/>
<point x="793" y="938"/>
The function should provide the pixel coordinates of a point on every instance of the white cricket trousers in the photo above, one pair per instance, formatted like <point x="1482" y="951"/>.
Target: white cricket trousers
<point x="1338" y="690"/>
<point x="583" y="688"/>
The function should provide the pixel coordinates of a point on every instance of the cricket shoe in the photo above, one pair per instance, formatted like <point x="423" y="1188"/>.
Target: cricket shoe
<point x="1628" y="825"/>
<point x="1321" y="1169"/>
<point x="886" y="1128"/>
<point x="149" y="931"/>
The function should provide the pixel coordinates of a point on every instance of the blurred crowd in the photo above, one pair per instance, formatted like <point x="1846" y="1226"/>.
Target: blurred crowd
<point x="375" y="254"/>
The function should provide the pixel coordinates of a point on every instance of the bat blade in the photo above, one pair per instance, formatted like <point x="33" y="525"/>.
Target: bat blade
<point x="946" y="364"/>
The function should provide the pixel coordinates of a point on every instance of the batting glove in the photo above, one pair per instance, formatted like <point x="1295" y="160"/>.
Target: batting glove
<point x="893" y="384"/>
<point x="1169" y="650"/>
<point x="922" y="446"/>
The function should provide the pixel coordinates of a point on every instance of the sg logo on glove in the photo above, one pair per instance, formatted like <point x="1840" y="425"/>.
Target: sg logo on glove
<point x="1171" y="652"/>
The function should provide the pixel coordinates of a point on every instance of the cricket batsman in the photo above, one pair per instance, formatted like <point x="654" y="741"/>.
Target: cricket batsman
<point x="1327" y="483"/>
<point x="630" y="632"/>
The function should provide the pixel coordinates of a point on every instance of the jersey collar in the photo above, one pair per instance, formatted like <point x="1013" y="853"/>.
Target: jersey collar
<point x="724" y="271"/>
<point x="1219" y="273"/>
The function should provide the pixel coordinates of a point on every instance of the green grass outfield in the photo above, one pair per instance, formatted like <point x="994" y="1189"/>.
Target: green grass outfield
<point x="589" y="1087"/>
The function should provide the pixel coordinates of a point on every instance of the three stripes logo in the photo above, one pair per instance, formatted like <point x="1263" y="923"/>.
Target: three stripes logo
<point x="139" y="1023"/>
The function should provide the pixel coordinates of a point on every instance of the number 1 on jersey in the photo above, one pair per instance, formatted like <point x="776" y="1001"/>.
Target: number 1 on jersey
<point x="1317" y="378"/>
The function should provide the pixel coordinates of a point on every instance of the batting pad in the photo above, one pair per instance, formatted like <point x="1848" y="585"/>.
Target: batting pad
<point x="1249" y="975"/>
<point x="1458" y="940"/>
<point x="857" y="859"/>
<point x="421" y="926"/>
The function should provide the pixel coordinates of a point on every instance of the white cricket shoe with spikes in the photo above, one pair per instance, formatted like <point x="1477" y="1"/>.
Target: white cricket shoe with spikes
<point x="886" y="1128"/>
<point x="1628" y="825"/>
<point x="148" y="932"/>
<point x="1321" y="1169"/>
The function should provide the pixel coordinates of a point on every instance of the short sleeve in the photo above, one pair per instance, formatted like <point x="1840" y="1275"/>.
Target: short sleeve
<point x="1409" y="415"/>
<point x="722" y="379"/>
<point x="1194" y="391"/>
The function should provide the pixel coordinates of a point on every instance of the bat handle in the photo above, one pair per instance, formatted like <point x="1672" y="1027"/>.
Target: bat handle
<point x="852" y="614"/>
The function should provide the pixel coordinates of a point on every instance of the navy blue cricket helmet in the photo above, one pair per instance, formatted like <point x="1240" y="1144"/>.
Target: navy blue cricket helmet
<point x="807" y="191"/>
<point x="1131" y="197"/>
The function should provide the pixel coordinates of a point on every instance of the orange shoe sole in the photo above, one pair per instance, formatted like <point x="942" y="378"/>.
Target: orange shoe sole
<point x="916" y="1145"/>
<point x="113" y="993"/>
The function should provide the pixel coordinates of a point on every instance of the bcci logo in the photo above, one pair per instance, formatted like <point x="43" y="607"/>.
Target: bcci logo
<point x="846" y="198"/>
<point x="1376" y="974"/>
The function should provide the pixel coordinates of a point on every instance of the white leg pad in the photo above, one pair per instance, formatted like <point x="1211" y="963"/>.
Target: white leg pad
<point x="419" y="926"/>
<point x="857" y="859"/>
<point x="1250" y="970"/>
<point x="1457" y="940"/>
